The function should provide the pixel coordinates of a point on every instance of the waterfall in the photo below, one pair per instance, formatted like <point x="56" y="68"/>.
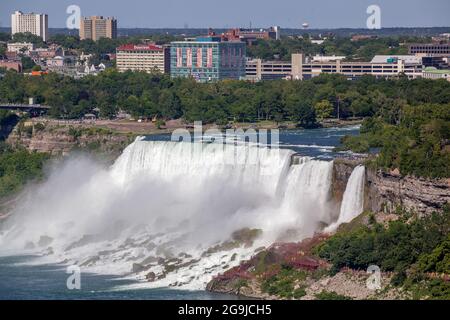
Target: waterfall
<point x="353" y="200"/>
<point x="168" y="206"/>
<point x="308" y="191"/>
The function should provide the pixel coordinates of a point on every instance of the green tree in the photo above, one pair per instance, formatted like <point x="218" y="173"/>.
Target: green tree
<point x="323" y="109"/>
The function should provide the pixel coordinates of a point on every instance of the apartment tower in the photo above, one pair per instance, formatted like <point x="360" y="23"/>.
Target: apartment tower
<point x="98" y="27"/>
<point x="34" y="23"/>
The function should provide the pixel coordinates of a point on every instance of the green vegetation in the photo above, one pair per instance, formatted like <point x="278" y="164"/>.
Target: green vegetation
<point x="157" y="96"/>
<point x="28" y="37"/>
<point x="362" y="50"/>
<point x="411" y="247"/>
<point x="331" y="295"/>
<point x="17" y="167"/>
<point x="414" y="139"/>
<point x="282" y="284"/>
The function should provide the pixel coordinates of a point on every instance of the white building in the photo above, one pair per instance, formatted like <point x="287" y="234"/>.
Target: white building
<point x="433" y="73"/>
<point x="319" y="58"/>
<point x="20" y="46"/>
<point x="34" y="23"/>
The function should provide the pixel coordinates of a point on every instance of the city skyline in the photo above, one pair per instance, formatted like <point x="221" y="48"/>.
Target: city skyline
<point x="202" y="13"/>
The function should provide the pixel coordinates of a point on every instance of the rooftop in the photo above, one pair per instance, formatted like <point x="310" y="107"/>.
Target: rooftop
<point x="386" y="58"/>
<point x="437" y="71"/>
<point x="140" y="47"/>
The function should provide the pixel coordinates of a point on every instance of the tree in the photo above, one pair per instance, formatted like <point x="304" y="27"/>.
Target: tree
<point x="29" y="37"/>
<point x="27" y="63"/>
<point x="324" y="109"/>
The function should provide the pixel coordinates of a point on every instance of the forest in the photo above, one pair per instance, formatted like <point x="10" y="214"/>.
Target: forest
<point x="411" y="248"/>
<point x="156" y="95"/>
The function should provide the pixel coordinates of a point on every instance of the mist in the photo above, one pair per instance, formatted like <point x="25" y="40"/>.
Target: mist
<point x="168" y="199"/>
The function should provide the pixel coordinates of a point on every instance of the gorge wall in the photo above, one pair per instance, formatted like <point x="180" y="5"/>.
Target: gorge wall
<point x="386" y="191"/>
<point x="61" y="139"/>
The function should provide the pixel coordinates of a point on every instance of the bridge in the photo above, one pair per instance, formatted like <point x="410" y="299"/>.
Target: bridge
<point x="31" y="108"/>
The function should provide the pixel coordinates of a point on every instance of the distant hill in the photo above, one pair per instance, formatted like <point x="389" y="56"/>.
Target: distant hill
<point x="342" y="32"/>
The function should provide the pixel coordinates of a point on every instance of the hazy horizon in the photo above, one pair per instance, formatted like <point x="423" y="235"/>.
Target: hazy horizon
<point x="320" y="14"/>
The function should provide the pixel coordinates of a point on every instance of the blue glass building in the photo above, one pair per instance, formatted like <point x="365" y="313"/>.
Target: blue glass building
<point x="207" y="59"/>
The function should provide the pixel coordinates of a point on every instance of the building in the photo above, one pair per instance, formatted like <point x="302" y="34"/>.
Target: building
<point x="360" y="37"/>
<point x="208" y="58"/>
<point x="250" y="35"/>
<point x="300" y="68"/>
<point x="430" y="49"/>
<point x="149" y="57"/>
<point x="20" y="47"/>
<point x="11" y="64"/>
<point x="433" y="73"/>
<point x="438" y="62"/>
<point x="34" y="23"/>
<point x="257" y="69"/>
<point x="318" y="58"/>
<point x="380" y="67"/>
<point x="60" y="62"/>
<point x="97" y="27"/>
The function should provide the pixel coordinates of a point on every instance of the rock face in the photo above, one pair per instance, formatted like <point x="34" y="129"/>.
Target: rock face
<point x="387" y="191"/>
<point x="61" y="139"/>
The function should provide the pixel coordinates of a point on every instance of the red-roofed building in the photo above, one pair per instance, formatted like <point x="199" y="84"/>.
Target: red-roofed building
<point x="11" y="64"/>
<point x="143" y="57"/>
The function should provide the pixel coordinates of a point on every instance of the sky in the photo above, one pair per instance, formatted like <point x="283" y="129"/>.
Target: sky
<point x="240" y="13"/>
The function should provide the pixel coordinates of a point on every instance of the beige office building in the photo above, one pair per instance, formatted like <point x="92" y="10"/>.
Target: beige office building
<point x="98" y="27"/>
<point x="299" y="68"/>
<point x="34" y="23"/>
<point x="148" y="57"/>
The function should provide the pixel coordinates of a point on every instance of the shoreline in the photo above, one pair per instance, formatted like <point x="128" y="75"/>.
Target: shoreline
<point x="149" y="128"/>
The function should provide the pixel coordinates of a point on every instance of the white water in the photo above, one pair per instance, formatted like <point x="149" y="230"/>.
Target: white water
<point x="173" y="201"/>
<point x="353" y="200"/>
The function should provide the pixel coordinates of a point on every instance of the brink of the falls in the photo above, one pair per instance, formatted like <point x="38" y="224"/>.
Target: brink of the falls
<point x="166" y="211"/>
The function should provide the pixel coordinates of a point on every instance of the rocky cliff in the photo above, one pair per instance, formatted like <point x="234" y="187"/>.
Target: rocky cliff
<point x="61" y="139"/>
<point x="387" y="191"/>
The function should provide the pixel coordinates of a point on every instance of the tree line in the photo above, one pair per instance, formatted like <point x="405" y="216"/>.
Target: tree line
<point x="158" y="96"/>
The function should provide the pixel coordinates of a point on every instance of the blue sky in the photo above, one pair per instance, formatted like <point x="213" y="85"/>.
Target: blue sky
<point x="231" y="13"/>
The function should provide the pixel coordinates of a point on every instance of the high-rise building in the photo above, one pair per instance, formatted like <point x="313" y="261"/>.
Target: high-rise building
<point x="97" y="27"/>
<point x="208" y="58"/>
<point x="34" y="23"/>
<point x="149" y="58"/>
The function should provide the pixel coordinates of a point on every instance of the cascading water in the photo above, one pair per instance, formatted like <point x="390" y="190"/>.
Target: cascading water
<point x="353" y="200"/>
<point x="166" y="210"/>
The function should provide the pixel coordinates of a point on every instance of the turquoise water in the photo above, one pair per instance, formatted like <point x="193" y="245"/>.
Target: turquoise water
<point x="21" y="279"/>
<point x="317" y="143"/>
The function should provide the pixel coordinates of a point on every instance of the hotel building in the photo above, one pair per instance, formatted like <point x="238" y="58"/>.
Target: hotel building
<point x="34" y="23"/>
<point x="97" y="27"/>
<point x="147" y="58"/>
<point x="208" y="58"/>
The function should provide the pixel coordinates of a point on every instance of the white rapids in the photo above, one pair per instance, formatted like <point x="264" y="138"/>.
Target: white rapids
<point x="164" y="209"/>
